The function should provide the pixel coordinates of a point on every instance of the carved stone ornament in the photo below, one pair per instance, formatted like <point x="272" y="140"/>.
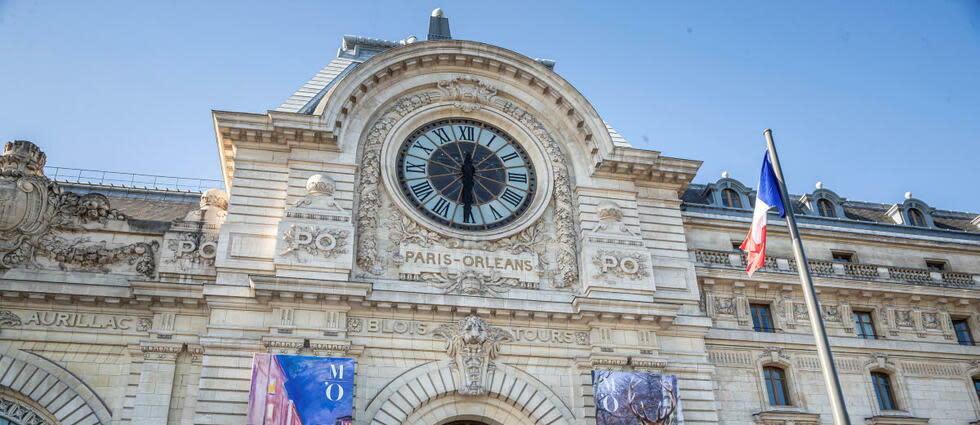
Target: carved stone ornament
<point x="903" y="318"/>
<point x="831" y="312"/>
<point x="800" y="312"/>
<point x="34" y="213"/>
<point x="467" y="93"/>
<point x="464" y="92"/>
<point x="472" y="344"/>
<point x="930" y="320"/>
<point x="621" y="264"/>
<point x="611" y="219"/>
<point x="319" y="194"/>
<point x="191" y="244"/>
<point x="17" y="413"/>
<point x="470" y="282"/>
<point x="9" y="320"/>
<point x="725" y="305"/>
<point x="301" y="241"/>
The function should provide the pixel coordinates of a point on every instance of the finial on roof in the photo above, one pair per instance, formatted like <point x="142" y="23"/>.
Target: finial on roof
<point x="439" y="26"/>
<point x="908" y="195"/>
<point x="819" y="185"/>
<point x="724" y="174"/>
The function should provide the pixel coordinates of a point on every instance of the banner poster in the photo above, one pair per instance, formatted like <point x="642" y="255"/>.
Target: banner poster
<point x="301" y="390"/>
<point x="631" y="398"/>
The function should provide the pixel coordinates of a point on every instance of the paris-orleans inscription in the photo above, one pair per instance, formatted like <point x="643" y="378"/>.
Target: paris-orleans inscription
<point x="521" y="335"/>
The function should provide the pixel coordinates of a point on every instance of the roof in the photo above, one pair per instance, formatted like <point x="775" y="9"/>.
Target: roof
<point x="869" y="212"/>
<point x="355" y="50"/>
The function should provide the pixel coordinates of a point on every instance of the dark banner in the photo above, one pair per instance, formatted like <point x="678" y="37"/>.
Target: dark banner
<point x="630" y="398"/>
<point x="301" y="390"/>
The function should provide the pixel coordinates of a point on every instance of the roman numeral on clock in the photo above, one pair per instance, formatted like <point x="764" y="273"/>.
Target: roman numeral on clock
<point x="422" y="190"/>
<point x="517" y="177"/>
<point x="467" y="133"/>
<point x="496" y="215"/>
<point x="512" y="197"/>
<point x="492" y="138"/>
<point x="414" y="168"/>
<point x="441" y="208"/>
<point x="509" y="156"/>
<point x="428" y="151"/>
<point x="442" y="135"/>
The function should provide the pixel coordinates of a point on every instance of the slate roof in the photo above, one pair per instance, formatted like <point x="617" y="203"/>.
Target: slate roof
<point x="152" y="209"/>
<point x="871" y="212"/>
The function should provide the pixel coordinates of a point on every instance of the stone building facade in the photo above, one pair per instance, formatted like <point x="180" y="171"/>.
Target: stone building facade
<point x="127" y="305"/>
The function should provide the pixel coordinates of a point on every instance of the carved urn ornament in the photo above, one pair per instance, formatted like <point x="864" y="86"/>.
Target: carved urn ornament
<point x="472" y="344"/>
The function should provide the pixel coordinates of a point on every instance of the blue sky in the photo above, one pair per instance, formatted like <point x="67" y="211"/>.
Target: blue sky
<point x="874" y="98"/>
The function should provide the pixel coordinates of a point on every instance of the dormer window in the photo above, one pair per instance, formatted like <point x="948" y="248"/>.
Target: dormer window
<point x="826" y="208"/>
<point x="916" y="218"/>
<point x="730" y="199"/>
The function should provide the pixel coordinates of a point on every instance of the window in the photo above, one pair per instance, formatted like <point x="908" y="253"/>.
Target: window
<point x="730" y="199"/>
<point x="737" y="245"/>
<point x="864" y="325"/>
<point x="761" y="318"/>
<point x="936" y="265"/>
<point x="826" y="208"/>
<point x="883" y="391"/>
<point x="844" y="257"/>
<point x="776" y="385"/>
<point x="976" y="386"/>
<point x="916" y="218"/>
<point x="963" y="335"/>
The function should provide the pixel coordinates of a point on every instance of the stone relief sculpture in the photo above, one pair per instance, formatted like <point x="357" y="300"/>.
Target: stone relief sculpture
<point x="35" y="214"/>
<point x="319" y="194"/>
<point x="472" y="344"/>
<point x="314" y="241"/>
<point x="611" y="219"/>
<point x="467" y="93"/>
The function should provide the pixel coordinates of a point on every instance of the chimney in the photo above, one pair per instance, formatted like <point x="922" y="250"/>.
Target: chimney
<point x="439" y="26"/>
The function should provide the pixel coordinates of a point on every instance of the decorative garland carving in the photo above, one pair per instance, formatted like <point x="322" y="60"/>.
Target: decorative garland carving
<point x="563" y="201"/>
<point x="9" y="320"/>
<point x="369" y="192"/>
<point x="471" y="282"/>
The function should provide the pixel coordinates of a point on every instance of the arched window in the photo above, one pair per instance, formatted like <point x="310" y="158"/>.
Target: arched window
<point x="916" y="218"/>
<point x="826" y="208"/>
<point x="776" y="388"/>
<point x="882" y="384"/>
<point x="730" y="199"/>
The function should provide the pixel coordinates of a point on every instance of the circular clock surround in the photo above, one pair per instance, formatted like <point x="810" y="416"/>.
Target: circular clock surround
<point x="465" y="174"/>
<point x="427" y="178"/>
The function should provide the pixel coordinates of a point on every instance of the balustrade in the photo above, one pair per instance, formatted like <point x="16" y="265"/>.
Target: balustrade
<point x="825" y="268"/>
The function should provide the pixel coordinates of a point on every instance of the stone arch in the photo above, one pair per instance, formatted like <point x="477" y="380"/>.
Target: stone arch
<point x="50" y="387"/>
<point x="416" y="397"/>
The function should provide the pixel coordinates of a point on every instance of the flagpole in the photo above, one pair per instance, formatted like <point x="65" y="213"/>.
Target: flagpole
<point x="827" y="366"/>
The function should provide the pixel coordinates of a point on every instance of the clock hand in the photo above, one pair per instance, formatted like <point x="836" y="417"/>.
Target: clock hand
<point x="468" y="171"/>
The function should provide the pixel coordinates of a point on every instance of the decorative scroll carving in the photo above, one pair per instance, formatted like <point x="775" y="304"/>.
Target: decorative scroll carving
<point x="467" y="93"/>
<point x="930" y="320"/>
<point x="17" y="413"/>
<point x="473" y="344"/>
<point x="800" y="312"/>
<point x="404" y="230"/>
<point x="314" y="241"/>
<point x="33" y="208"/>
<point x="369" y="192"/>
<point x="471" y="282"/>
<point x="831" y="312"/>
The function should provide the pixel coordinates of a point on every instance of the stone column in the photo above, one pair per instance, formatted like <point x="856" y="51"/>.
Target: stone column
<point x="152" y="405"/>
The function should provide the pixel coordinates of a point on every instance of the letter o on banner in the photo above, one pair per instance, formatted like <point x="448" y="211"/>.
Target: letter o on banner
<point x="325" y="242"/>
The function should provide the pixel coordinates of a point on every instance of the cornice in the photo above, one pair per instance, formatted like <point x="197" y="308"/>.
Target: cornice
<point x="643" y="166"/>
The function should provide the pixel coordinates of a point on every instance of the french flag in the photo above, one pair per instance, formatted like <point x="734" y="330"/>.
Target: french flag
<point x="767" y="197"/>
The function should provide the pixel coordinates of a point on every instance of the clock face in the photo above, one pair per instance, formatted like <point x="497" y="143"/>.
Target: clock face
<point x="466" y="174"/>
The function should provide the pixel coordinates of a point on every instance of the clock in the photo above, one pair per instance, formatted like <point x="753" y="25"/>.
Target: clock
<point x="465" y="174"/>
